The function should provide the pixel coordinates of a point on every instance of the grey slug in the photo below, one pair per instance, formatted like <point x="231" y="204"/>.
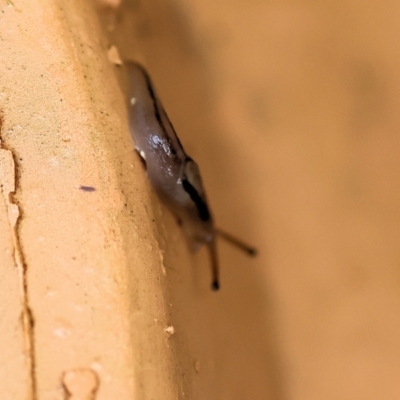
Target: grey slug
<point x="174" y="176"/>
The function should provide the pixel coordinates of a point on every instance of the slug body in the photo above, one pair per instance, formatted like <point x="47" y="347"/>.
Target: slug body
<point x="174" y="176"/>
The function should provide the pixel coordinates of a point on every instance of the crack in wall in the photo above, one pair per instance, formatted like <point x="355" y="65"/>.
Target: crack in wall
<point x="9" y="184"/>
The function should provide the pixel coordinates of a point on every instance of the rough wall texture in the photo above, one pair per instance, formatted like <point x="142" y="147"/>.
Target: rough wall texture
<point x="290" y="108"/>
<point x="82" y="307"/>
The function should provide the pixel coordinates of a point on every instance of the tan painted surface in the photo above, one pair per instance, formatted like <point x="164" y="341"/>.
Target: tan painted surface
<point x="290" y="108"/>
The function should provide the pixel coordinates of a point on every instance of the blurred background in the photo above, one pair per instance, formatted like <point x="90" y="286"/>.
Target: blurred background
<point x="291" y="110"/>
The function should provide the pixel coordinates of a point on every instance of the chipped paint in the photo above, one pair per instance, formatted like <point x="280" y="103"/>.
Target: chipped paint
<point x="80" y="384"/>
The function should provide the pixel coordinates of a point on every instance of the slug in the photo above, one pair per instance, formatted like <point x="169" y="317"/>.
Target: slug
<point x="174" y="176"/>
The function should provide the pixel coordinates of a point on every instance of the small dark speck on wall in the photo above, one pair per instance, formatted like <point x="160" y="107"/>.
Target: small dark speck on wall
<point x="87" y="188"/>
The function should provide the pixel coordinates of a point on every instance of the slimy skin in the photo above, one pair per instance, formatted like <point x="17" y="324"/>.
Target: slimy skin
<point x="174" y="176"/>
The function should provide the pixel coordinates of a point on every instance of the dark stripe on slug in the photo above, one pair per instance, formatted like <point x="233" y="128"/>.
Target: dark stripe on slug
<point x="156" y="108"/>
<point x="202" y="208"/>
<point x="157" y="111"/>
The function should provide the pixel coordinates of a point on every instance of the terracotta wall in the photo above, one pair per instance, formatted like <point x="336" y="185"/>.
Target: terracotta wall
<point x="290" y="110"/>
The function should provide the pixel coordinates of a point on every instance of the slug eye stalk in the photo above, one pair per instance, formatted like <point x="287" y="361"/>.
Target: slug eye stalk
<point x="251" y="251"/>
<point x="215" y="284"/>
<point x="214" y="266"/>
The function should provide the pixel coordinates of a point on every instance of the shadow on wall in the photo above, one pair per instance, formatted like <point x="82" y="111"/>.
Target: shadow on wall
<point x="226" y="343"/>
